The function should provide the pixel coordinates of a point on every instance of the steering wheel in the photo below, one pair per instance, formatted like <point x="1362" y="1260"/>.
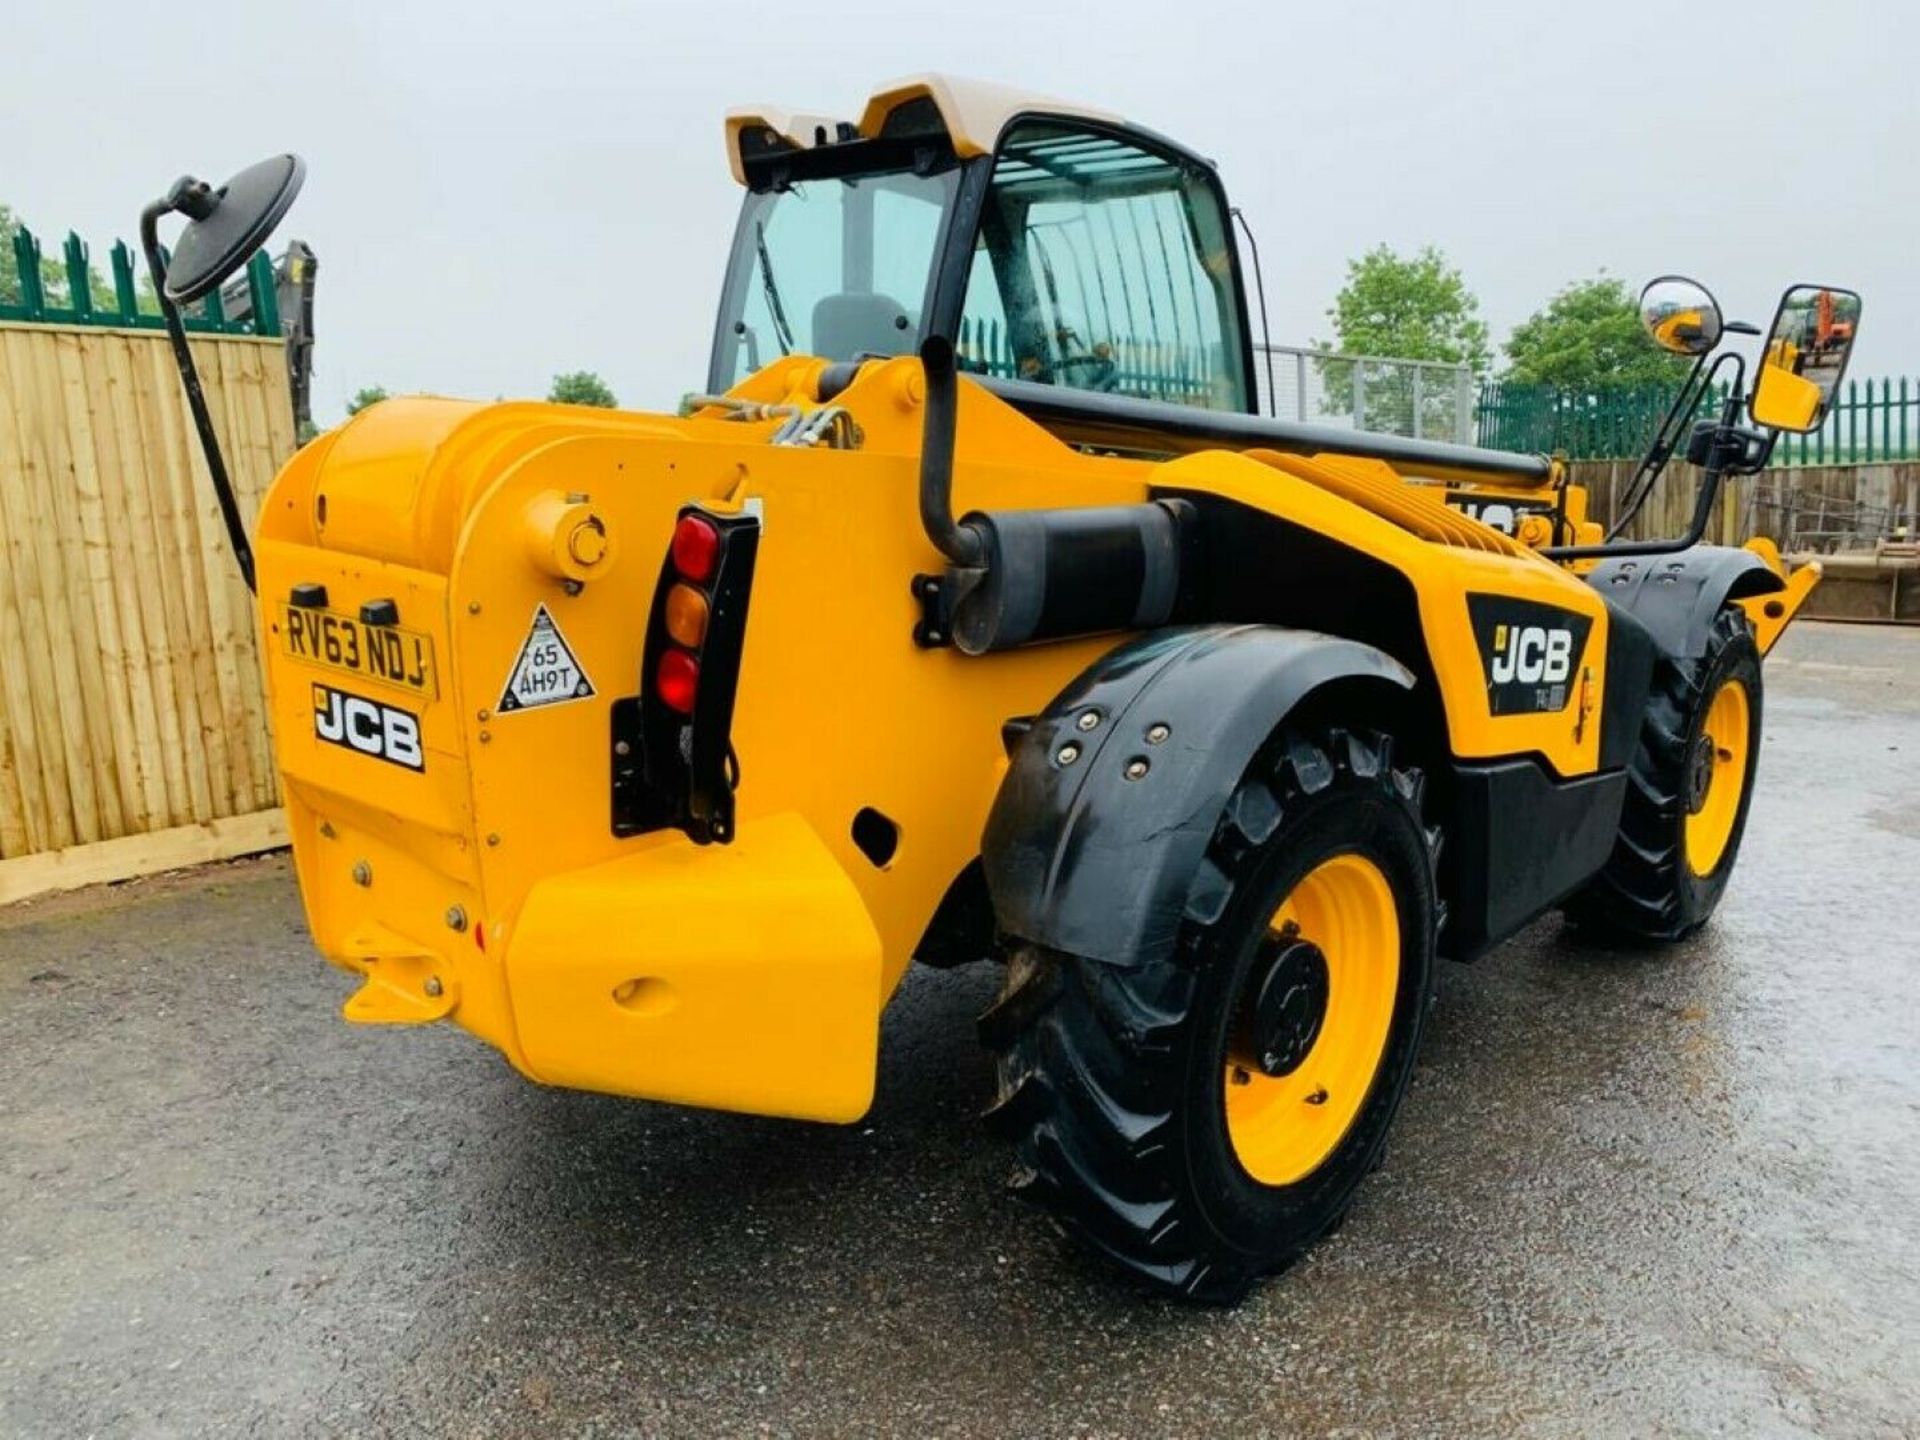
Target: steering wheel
<point x="1103" y="374"/>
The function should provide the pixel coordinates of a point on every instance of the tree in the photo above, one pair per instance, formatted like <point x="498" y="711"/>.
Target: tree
<point x="1588" y="338"/>
<point x="1402" y="308"/>
<point x="581" y="387"/>
<point x="53" y="276"/>
<point x="365" y="396"/>
<point x="1408" y="309"/>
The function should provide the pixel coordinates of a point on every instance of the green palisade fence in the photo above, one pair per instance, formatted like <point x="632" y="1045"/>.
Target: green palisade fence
<point x="1871" y="421"/>
<point x="121" y="307"/>
<point x="1171" y="372"/>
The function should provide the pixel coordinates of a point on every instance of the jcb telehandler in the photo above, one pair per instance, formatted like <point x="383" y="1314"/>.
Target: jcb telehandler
<point x="973" y="612"/>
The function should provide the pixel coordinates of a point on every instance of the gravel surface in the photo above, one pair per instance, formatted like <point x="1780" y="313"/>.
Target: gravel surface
<point x="1675" y="1193"/>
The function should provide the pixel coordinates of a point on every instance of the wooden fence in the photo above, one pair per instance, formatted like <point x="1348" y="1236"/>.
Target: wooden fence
<point x="1824" y="509"/>
<point x="133" y="730"/>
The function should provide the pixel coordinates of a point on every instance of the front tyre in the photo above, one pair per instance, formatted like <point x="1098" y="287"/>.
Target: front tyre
<point x="1688" y="790"/>
<point x="1204" y="1118"/>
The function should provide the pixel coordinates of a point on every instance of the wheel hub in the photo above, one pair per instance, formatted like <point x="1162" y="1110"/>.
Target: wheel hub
<point x="1289" y="1005"/>
<point x="1700" y="773"/>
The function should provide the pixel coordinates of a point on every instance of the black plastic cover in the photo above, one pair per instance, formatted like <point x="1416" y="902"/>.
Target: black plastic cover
<point x="1520" y="842"/>
<point x="1085" y="571"/>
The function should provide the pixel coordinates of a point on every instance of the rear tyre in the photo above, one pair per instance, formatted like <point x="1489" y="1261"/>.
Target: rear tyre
<point x="1204" y="1118"/>
<point x="1688" y="789"/>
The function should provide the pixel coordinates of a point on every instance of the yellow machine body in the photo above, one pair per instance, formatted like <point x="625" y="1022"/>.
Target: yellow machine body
<point x="486" y="884"/>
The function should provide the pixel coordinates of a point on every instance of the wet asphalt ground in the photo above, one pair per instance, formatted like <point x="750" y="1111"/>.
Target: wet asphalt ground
<point x="1675" y="1193"/>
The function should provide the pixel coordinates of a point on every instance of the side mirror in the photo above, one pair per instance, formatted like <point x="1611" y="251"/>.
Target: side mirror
<point x="1806" y="356"/>
<point x="225" y="226"/>
<point x="1681" y="315"/>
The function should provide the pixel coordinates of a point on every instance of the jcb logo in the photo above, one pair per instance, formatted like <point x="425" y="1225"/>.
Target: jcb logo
<point x="368" y="727"/>
<point x="1531" y="654"/>
<point x="1502" y="515"/>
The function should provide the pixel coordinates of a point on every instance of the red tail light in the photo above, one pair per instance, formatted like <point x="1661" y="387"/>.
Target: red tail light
<point x="677" y="680"/>
<point x="696" y="548"/>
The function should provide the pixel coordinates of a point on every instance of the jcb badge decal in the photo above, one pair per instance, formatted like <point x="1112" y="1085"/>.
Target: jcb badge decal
<point x="1502" y="515"/>
<point x="1528" y="651"/>
<point x="367" y="726"/>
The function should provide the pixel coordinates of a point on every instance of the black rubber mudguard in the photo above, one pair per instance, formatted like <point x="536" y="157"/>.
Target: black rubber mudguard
<point x="1100" y="825"/>
<point x="1676" y="597"/>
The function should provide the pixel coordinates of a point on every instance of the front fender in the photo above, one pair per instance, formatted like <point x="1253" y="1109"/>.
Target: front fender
<point x="1677" y="596"/>
<point x="1086" y="852"/>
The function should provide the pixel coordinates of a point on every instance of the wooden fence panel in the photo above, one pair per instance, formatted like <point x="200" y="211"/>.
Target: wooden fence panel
<point x="130" y="699"/>
<point x="1823" y="508"/>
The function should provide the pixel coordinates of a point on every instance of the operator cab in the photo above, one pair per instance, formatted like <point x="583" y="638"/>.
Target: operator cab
<point x="1050" y="243"/>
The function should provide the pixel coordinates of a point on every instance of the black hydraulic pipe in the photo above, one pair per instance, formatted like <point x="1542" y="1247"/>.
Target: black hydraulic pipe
<point x="190" y="376"/>
<point x="962" y="544"/>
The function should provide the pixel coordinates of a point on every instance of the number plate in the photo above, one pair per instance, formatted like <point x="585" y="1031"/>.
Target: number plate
<point x="384" y="653"/>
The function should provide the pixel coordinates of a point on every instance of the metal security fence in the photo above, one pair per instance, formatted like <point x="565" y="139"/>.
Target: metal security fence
<point x="1184" y="373"/>
<point x="1428" y="399"/>
<point x="79" y="295"/>
<point x="1871" y="421"/>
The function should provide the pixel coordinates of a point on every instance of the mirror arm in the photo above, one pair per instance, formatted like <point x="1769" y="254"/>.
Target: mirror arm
<point x="190" y="378"/>
<point x="1665" y="438"/>
<point x="1717" y="466"/>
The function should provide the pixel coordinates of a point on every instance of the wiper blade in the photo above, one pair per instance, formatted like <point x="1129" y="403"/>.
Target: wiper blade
<point x="782" y="332"/>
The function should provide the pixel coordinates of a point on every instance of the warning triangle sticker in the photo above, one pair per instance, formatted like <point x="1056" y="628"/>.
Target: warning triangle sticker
<point x="546" y="672"/>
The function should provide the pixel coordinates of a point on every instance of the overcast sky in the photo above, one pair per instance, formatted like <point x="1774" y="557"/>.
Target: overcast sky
<point x="500" y="191"/>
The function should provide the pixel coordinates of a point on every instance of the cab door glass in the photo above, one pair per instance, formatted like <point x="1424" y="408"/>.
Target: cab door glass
<point x="1101" y="265"/>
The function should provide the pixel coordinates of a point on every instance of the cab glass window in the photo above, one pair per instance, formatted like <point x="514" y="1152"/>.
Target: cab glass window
<point x="832" y="267"/>
<point x="1102" y="265"/>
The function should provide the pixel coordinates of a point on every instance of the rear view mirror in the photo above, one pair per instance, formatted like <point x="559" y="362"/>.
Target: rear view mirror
<point x="1681" y="315"/>
<point x="225" y="226"/>
<point x="1805" y="358"/>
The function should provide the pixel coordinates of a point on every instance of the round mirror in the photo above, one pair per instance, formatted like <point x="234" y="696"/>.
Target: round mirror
<point x="1681" y="315"/>
<point x="229" y="224"/>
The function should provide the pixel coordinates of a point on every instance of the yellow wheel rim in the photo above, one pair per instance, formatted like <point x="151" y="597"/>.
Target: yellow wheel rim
<point x="1283" y="1127"/>
<point x="1716" y="777"/>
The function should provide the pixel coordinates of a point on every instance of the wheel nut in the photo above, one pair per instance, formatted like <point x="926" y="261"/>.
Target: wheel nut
<point x="1136" y="768"/>
<point x="433" y="986"/>
<point x="1157" y="733"/>
<point x="1089" y="720"/>
<point x="1068" y="754"/>
<point x="362" y="873"/>
<point x="456" y="918"/>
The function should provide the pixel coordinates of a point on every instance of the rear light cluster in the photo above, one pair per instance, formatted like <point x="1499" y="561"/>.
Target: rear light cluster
<point x="689" y="608"/>
<point x="673" y="756"/>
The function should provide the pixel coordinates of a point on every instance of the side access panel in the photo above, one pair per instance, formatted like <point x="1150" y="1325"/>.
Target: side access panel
<point x="1522" y="841"/>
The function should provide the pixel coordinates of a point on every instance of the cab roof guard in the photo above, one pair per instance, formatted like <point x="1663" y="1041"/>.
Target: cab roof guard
<point x="971" y="114"/>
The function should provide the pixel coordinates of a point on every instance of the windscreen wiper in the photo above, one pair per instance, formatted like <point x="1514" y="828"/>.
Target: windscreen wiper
<point x="782" y="332"/>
